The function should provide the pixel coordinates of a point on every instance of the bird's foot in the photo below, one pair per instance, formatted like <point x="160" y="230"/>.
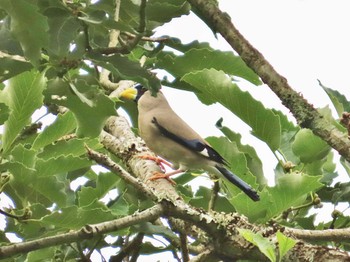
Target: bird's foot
<point x="158" y="175"/>
<point x="159" y="161"/>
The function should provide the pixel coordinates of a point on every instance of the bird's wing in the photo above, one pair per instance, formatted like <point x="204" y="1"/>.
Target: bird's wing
<point x="196" y="145"/>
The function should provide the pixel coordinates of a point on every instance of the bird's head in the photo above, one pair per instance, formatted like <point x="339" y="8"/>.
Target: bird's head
<point x="133" y="93"/>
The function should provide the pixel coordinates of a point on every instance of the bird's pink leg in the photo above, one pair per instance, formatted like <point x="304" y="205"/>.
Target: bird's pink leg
<point x="159" y="161"/>
<point x="158" y="175"/>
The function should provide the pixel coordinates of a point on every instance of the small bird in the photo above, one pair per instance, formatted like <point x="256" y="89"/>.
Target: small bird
<point x="166" y="134"/>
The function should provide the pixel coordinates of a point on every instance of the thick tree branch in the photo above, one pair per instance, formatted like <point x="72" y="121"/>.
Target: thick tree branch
<point x="306" y="115"/>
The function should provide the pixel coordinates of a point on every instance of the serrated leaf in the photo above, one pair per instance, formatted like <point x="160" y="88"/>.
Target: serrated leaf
<point x="237" y="163"/>
<point x="265" y="246"/>
<point x="162" y="12"/>
<point x="121" y="207"/>
<point x="90" y="116"/>
<point x="28" y="184"/>
<point x="290" y="190"/>
<point x="124" y="68"/>
<point x="309" y="147"/>
<point x="63" y="29"/>
<point x="202" y="197"/>
<point x="63" y="125"/>
<point x="151" y="229"/>
<point x="229" y="151"/>
<point x="74" y="147"/>
<point x="32" y="38"/>
<point x="105" y="182"/>
<point x="24" y="96"/>
<point x="4" y="113"/>
<point x="59" y="165"/>
<point x="8" y="44"/>
<point x="216" y="87"/>
<point x="74" y="217"/>
<point x="206" y="58"/>
<point x="346" y="165"/>
<point x="284" y="244"/>
<point x="26" y="157"/>
<point x="41" y="254"/>
<point x="157" y="12"/>
<point x="11" y="67"/>
<point x="253" y="161"/>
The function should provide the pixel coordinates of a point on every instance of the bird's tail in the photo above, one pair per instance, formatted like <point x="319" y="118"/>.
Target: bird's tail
<point x="247" y="189"/>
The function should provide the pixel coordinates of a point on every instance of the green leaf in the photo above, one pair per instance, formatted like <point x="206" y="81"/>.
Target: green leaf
<point x="339" y="101"/>
<point x="63" y="125"/>
<point x="90" y="106"/>
<point x="162" y="12"/>
<point x="309" y="147"/>
<point x="150" y="229"/>
<point x="74" y="147"/>
<point x="284" y="244"/>
<point x="216" y="87"/>
<point x="265" y="246"/>
<point x="206" y="58"/>
<point x="121" y="207"/>
<point x="124" y="68"/>
<point x="4" y="113"/>
<point x="74" y="217"/>
<point x="291" y="190"/>
<point x="24" y="95"/>
<point x="346" y="165"/>
<point x="202" y="198"/>
<point x="105" y="182"/>
<point x="235" y="158"/>
<point x="60" y="165"/>
<point x="63" y="29"/>
<point x="10" y="67"/>
<point x="28" y="26"/>
<point x="41" y="254"/>
<point x="157" y="12"/>
<point x="30" y="183"/>
<point x="253" y="161"/>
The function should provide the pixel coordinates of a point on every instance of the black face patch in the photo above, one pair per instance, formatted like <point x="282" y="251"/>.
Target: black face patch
<point x="140" y="91"/>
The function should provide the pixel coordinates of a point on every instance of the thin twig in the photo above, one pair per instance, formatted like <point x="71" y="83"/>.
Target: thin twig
<point x="128" y="248"/>
<point x="184" y="247"/>
<point x="21" y="217"/>
<point x="214" y="195"/>
<point x="142" y="25"/>
<point x="108" y="163"/>
<point x="113" y="42"/>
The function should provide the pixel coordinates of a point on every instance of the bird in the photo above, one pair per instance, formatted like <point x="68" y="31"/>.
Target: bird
<point x="171" y="138"/>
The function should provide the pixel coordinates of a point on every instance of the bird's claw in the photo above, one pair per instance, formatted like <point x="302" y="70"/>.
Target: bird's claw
<point x="158" y="175"/>
<point x="159" y="161"/>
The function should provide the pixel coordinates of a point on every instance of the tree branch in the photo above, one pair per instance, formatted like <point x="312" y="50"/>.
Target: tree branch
<point x="113" y="41"/>
<point x="338" y="235"/>
<point x="87" y="232"/>
<point x="306" y="115"/>
<point x="128" y="249"/>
